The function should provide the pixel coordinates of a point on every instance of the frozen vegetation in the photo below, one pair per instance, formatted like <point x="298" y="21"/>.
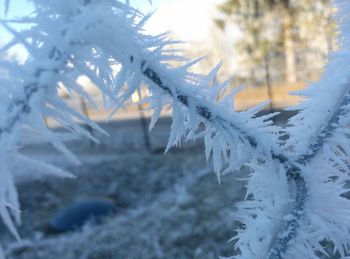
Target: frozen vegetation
<point x="295" y="177"/>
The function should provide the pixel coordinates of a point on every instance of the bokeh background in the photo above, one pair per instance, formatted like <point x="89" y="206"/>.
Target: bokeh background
<point x="272" y="47"/>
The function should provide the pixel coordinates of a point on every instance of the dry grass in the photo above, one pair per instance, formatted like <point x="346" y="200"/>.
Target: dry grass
<point x="248" y="97"/>
<point x="281" y="98"/>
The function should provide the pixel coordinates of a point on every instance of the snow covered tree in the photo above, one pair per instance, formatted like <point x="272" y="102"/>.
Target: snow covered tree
<point x="295" y="190"/>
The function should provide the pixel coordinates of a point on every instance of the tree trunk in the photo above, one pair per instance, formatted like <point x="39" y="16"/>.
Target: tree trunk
<point x="268" y="81"/>
<point x="290" y="63"/>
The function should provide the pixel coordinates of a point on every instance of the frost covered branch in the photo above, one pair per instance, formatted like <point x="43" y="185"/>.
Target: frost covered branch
<point x="105" y="41"/>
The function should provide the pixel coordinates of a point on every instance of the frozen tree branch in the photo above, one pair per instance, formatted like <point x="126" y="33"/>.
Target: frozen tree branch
<point x="287" y="184"/>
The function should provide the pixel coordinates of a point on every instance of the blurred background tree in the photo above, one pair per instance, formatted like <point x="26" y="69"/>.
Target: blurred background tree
<point x="282" y="40"/>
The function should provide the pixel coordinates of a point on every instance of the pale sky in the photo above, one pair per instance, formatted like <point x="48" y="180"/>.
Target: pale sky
<point x="188" y="20"/>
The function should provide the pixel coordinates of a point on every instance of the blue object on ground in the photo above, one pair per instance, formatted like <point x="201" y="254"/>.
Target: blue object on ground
<point x="79" y="213"/>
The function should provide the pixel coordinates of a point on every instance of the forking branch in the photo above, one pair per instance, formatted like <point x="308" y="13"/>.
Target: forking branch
<point x="90" y="40"/>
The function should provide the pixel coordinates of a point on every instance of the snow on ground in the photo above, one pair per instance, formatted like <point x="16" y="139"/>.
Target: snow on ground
<point x="168" y="206"/>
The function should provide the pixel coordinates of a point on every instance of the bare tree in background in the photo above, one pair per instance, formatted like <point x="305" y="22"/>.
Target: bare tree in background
<point x="278" y="27"/>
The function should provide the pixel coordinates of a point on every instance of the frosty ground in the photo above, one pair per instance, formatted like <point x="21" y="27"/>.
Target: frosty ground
<point x="169" y="206"/>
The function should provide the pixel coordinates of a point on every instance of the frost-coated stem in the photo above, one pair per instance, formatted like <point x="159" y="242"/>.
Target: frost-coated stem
<point x="201" y="110"/>
<point x="293" y="172"/>
<point x="289" y="231"/>
<point x="281" y="244"/>
<point x="31" y="93"/>
<point x="20" y="107"/>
